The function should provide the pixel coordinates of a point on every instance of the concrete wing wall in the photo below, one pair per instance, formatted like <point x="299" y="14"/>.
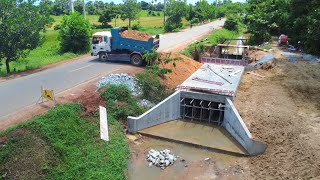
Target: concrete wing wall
<point x="234" y="124"/>
<point x="166" y="110"/>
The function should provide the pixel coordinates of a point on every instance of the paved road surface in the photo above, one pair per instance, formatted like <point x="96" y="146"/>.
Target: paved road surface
<point x="24" y="91"/>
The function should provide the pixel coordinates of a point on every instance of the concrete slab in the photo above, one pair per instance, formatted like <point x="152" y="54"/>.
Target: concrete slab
<point x="214" y="78"/>
<point x="200" y="134"/>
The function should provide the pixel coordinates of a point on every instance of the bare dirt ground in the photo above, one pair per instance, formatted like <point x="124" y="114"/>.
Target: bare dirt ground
<point x="283" y="110"/>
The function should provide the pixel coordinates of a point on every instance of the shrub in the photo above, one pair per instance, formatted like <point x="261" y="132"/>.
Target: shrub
<point x="194" y="21"/>
<point x="152" y="89"/>
<point x="75" y="34"/>
<point x="120" y="102"/>
<point x="231" y="24"/>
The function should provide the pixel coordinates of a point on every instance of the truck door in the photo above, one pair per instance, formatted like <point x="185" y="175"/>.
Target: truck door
<point x="107" y="43"/>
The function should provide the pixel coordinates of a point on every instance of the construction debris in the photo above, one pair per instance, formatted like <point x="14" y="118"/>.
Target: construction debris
<point x="118" y="79"/>
<point x="161" y="159"/>
<point x="145" y="103"/>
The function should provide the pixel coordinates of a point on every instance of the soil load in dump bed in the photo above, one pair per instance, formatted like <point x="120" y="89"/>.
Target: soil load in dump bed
<point x="132" y="34"/>
<point x="183" y="68"/>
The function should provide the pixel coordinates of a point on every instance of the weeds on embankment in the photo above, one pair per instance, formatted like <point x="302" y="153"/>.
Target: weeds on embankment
<point x="63" y="145"/>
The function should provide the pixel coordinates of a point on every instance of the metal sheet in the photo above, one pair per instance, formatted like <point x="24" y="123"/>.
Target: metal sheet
<point x="212" y="78"/>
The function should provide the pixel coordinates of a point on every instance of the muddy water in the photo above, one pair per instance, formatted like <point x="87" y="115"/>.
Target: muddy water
<point x="203" y="134"/>
<point x="194" y="166"/>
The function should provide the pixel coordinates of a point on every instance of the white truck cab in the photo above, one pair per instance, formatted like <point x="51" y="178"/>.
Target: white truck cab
<point x="101" y="42"/>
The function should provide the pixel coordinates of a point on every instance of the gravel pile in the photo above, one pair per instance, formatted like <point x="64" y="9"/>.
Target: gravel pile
<point x="145" y="103"/>
<point x="161" y="159"/>
<point x="118" y="79"/>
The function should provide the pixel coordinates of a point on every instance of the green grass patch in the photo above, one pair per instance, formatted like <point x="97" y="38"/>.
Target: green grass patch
<point x="70" y="146"/>
<point x="47" y="53"/>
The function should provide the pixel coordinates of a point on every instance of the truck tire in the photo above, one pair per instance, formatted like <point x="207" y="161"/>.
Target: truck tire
<point x="103" y="57"/>
<point x="136" y="60"/>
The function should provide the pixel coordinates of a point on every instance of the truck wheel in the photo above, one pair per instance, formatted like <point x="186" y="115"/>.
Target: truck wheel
<point x="102" y="57"/>
<point x="136" y="60"/>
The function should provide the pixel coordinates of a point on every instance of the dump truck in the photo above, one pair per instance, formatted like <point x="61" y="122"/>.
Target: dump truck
<point x="111" y="46"/>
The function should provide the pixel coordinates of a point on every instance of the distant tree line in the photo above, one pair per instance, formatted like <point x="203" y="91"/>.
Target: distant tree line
<point x="297" y="18"/>
<point x="60" y="7"/>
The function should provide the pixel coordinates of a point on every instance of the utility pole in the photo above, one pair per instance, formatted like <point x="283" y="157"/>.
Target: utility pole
<point x="71" y="6"/>
<point x="164" y="12"/>
<point x="84" y="9"/>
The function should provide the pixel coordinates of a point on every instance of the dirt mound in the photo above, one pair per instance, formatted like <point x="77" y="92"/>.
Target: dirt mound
<point x="256" y="55"/>
<point x="183" y="68"/>
<point x="132" y="34"/>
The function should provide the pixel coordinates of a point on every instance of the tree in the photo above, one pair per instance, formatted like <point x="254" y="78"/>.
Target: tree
<point x="60" y="7"/>
<point x="130" y="10"/>
<point x="21" y="24"/>
<point x="231" y="24"/>
<point x="91" y="8"/>
<point x="204" y="11"/>
<point x="175" y="11"/>
<point x="190" y="12"/>
<point x="144" y="5"/>
<point x="108" y="14"/>
<point x="99" y="6"/>
<point x="75" y="33"/>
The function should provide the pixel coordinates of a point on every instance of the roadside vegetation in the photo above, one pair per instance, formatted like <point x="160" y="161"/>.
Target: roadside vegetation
<point x="298" y="19"/>
<point x="234" y="27"/>
<point x="64" y="145"/>
<point x="216" y="37"/>
<point x="147" y="17"/>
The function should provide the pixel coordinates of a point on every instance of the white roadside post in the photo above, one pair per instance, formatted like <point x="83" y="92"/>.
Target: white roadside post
<point x="104" y="133"/>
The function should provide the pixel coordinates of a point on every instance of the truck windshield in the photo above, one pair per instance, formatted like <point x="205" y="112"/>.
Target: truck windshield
<point x="96" y="39"/>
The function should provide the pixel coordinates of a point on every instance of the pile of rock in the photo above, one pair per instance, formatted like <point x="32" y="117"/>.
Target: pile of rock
<point x="118" y="79"/>
<point x="161" y="159"/>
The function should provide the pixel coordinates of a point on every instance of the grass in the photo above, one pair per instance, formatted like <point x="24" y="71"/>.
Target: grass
<point x="69" y="145"/>
<point x="46" y="54"/>
<point x="144" y="20"/>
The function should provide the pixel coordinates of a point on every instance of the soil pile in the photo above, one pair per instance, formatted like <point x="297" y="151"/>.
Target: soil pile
<point x="184" y="67"/>
<point x="132" y="34"/>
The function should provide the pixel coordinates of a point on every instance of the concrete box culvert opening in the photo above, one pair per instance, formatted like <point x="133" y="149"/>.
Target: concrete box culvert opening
<point x="198" y="117"/>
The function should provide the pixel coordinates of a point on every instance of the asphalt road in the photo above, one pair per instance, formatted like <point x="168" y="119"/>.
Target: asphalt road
<point x="18" y="93"/>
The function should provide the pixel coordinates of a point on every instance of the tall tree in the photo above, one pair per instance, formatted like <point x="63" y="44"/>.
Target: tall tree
<point x="130" y="10"/>
<point x="75" y="33"/>
<point x="175" y="10"/>
<point x="108" y="14"/>
<point x="91" y="8"/>
<point x="21" y="24"/>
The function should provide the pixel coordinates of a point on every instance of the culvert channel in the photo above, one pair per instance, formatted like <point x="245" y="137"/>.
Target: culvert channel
<point x="202" y="110"/>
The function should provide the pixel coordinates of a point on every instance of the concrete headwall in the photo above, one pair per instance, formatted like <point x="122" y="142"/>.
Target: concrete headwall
<point x="205" y="96"/>
<point x="234" y="124"/>
<point x="166" y="110"/>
